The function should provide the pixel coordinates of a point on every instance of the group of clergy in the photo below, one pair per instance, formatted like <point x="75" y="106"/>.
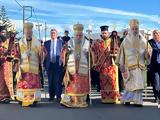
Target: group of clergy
<point x="68" y="62"/>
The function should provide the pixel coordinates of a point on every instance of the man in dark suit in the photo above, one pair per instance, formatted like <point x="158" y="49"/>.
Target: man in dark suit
<point x="53" y="65"/>
<point x="154" y="66"/>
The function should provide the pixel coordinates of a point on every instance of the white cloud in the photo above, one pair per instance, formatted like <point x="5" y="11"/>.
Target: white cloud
<point x="155" y="18"/>
<point x="73" y="7"/>
<point x="70" y="9"/>
<point x="59" y="27"/>
<point x="73" y="13"/>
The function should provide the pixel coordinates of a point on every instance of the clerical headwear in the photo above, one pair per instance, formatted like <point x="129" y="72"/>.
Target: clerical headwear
<point x="78" y="28"/>
<point x="104" y="28"/>
<point x="66" y="31"/>
<point x="2" y="28"/>
<point x="134" y="22"/>
<point x="28" y="25"/>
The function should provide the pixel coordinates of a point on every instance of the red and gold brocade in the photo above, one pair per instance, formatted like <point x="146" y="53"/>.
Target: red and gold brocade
<point x="28" y="79"/>
<point x="108" y="72"/>
<point x="76" y="80"/>
<point x="6" y="67"/>
<point x="78" y="85"/>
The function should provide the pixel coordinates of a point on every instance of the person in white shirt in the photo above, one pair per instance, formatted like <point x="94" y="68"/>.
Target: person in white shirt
<point x="53" y="65"/>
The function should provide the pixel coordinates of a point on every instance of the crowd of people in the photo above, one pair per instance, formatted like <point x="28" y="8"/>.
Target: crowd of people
<point x="117" y="65"/>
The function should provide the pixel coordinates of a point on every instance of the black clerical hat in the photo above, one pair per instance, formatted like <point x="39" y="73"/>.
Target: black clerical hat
<point x="104" y="28"/>
<point x="66" y="31"/>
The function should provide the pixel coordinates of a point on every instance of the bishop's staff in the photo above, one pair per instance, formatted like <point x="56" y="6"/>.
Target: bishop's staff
<point x="89" y="62"/>
<point x="42" y="56"/>
<point x="147" y="38"/>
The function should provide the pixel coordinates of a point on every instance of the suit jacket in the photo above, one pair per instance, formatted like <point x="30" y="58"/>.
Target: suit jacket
<point x="65" y="39"/>
<point x="155" y="53"/>
<point x="47" y="60"/>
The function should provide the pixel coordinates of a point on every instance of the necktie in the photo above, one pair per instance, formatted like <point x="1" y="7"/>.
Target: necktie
<point x="53" y="55"/>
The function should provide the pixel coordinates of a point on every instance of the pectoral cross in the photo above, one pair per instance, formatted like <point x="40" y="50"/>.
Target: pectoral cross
<point x="77" y="62"/>
<point x="78" y="55"/>
<point x="29" y="54"/>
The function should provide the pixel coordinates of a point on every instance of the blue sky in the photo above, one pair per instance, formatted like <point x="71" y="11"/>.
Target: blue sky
<point x="62" y="14"/>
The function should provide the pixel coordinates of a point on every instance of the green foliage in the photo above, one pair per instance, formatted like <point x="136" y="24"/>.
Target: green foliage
<point x="4" y="20"/>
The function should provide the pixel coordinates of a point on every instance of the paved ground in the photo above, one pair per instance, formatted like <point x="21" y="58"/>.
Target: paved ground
<point x="97" y="111"/>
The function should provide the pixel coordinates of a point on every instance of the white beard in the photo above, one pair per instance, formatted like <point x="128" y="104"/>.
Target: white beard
<point x="135" y="39"/>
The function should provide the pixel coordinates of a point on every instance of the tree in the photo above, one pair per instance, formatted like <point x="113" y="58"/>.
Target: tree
<point x="4" y="20"/>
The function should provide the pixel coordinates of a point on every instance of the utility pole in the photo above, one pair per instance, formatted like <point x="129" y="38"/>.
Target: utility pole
<point x="24" y="18"/>
<point x="24" y="9"/>
<point x="39" y="30"/>
<point x="45" y="30"/>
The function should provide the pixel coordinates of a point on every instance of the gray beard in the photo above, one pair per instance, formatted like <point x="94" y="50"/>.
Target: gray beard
<point x="78" y="41"/>
<point x="134" y="37"/>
